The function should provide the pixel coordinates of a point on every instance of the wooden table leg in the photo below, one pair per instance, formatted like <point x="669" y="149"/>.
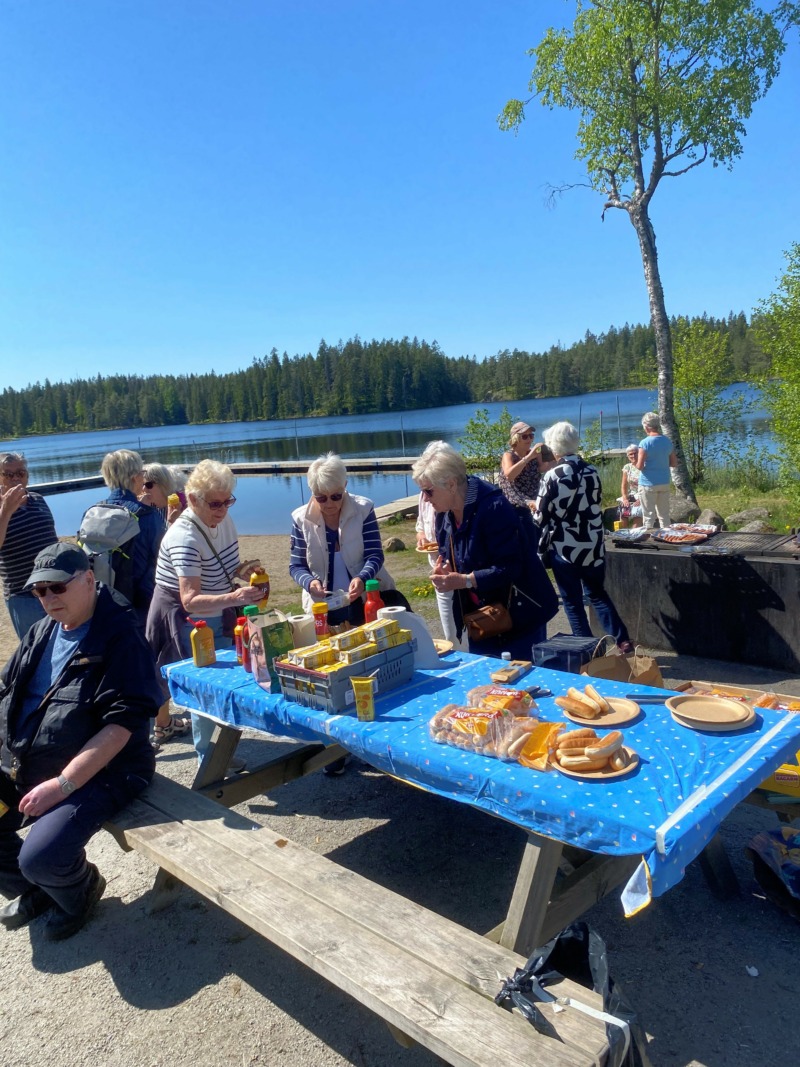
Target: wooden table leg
<point x="532" y="893"/>
<point x="217" y="756"/>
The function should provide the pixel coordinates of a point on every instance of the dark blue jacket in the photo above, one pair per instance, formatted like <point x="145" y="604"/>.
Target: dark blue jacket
<point x="144" y="548"/>
<point x="491" y="544"/>
<point x="111" y="680"/>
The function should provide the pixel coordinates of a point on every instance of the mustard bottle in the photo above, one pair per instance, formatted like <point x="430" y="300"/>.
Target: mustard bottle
<point x="261" y="578"/>
<point x="202" y="638"/>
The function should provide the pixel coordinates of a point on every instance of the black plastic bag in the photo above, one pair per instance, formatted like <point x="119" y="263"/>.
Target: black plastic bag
<point x="579" y="954"/>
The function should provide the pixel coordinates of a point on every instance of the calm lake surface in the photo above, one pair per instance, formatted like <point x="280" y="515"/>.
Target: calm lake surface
<point x="264" y="504"/>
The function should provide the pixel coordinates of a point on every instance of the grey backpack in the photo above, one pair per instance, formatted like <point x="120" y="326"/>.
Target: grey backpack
<point x="106" y="535"/>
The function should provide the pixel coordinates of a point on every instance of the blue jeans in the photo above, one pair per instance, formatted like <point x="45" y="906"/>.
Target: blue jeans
<point x="52" y="855"/>
<point x="24" y="610"/>
<point x="571" y="582"/>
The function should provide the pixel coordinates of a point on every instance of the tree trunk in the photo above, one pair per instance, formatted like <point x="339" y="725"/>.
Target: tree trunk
<point x="663" y="335"/>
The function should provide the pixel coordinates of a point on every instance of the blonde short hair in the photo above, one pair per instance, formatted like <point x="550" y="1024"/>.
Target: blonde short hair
<point x="210" y="476"/>
<point x="120" y="468"/>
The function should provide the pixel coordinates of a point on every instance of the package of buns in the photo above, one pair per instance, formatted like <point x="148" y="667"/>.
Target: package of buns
<point x="486" y="730"/>
<point x="501" y="698"/>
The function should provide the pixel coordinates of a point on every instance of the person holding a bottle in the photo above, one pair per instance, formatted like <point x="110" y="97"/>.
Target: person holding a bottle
<point x="336" y="544"/>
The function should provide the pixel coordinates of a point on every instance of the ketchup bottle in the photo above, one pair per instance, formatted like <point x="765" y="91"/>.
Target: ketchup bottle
<point x="373" y="603"/>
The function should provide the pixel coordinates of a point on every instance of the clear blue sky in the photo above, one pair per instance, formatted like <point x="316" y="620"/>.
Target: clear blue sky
<point x="185" y="184"/>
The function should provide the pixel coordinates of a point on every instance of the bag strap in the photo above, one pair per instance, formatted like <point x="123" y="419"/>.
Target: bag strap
<point x="602" y="643"/>
<point x="210" y="544"/>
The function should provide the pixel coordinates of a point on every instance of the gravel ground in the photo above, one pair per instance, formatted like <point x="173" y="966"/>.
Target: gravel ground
<point x="191" y="986"/>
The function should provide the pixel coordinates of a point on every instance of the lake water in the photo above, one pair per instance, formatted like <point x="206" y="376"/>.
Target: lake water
<point x="264" y="503"/>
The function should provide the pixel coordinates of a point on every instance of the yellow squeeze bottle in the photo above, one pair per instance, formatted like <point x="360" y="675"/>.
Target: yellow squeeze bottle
<point x="202" y="639"/>
<point x="261" y="578"/>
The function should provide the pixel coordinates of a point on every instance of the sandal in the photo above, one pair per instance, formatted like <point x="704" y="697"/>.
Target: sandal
<point x="174" y="728"/>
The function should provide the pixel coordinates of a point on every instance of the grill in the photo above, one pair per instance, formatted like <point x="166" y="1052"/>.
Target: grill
<point x="729" y="543"/>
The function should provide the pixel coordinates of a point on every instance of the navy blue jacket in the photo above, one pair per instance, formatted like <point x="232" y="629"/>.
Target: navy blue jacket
<point x="111" y="680"/>
<point x="491" y="544"/>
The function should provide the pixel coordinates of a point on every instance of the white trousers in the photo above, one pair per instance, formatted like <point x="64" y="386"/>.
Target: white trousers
<point x="655" y="505"/>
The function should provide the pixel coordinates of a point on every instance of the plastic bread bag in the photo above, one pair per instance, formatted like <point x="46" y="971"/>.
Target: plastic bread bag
<point x="501" y="698"/>
<point x="486" y="731"/>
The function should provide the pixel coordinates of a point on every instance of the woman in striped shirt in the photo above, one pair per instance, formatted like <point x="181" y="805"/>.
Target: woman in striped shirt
<point x="197" y="564"/>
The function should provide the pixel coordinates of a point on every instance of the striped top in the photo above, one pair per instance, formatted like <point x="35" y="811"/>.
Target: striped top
<point x="185" y="553"/>
<point x="30" y="529"/>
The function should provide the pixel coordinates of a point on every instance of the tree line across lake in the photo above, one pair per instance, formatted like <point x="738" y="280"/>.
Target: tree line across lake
<point x="358" y="378"/>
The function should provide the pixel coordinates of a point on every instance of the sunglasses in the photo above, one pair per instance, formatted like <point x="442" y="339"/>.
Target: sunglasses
<point x="335" y="497"/>
<point x="149" y="485"/>
<point x="427" y="490"/>
<point x="56" y="588"/>
<point x="217" y="505"/>
<point x="526" y="436"/>
<point x="15" y="474"/>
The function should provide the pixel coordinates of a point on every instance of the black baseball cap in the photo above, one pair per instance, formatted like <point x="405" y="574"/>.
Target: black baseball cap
<point x="57" y="563"/>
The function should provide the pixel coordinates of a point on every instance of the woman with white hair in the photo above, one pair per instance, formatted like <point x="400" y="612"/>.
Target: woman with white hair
<point x="160" y="483"/>
<point x="654" y="460"/>
<point x="570" y="517"/>
<point x="630" y="508"/>
<point x="484" y="556"/>
<point x="336" y="544"/>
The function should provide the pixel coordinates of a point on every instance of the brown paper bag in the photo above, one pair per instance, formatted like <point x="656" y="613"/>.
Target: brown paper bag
<point x="637" y="669"/>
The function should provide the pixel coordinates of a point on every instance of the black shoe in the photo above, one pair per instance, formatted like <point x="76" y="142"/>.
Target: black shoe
<point x="61" y="925"/>
<point x="17" y="913"/>
<point x="333" y="770"/>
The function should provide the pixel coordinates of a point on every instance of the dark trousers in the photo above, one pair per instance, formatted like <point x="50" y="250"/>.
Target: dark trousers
<point x="572" y="581"/>
<point x="52" y="856"/>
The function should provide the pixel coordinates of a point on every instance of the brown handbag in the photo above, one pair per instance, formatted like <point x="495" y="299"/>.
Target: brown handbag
<point x="489" y="621"/>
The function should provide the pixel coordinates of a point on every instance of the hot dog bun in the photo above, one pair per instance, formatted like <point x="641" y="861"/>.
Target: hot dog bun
<point x="619" y="760"/>
<point x="583" y="698"/>
<point x="577" y="739"/>
<point x="601" y="701"/>
<point x="579" y="708"/>
<point x="583" y="763"/>
<point x="606" y="747"/>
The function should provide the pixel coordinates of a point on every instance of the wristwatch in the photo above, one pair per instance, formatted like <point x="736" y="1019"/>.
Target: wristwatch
<point x="67" y="786"/>
<point x="468" y="582"/>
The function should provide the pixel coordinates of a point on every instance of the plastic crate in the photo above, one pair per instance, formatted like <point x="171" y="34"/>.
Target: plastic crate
<point x="333" y="692"/>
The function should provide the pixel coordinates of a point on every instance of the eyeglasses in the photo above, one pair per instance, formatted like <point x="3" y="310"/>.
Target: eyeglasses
<point x="526" y="436"/>
<point x="56" y="588"/>
<point x="335" y="497"/>
<point x="427" y="490"/>
<point x="217" y="505"/>
<point x="19" y="475"/>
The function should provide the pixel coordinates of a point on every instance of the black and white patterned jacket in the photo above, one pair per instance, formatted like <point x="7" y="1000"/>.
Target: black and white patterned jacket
<point x="569" y="514"/>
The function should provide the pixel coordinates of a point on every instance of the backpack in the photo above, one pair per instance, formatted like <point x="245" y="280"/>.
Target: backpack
<point x="106" y="533"/>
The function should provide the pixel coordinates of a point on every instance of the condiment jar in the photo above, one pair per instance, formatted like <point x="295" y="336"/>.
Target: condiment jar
<point x="249" y="612"/>
<point x="202" y="639"/>
<point x="320" y="612"/>
<point x="261" y="578"/>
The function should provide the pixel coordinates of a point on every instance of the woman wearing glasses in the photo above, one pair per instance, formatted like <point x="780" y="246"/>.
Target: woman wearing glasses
<point x="198" y="563"/>
<point x="160" y="483"/>
<point x="26" y="527"/>
<point x="336" y="544"/>
<point x="521" y="470"/>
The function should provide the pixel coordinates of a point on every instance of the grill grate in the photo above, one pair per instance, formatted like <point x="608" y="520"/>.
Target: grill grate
<point x="727" y="543"/>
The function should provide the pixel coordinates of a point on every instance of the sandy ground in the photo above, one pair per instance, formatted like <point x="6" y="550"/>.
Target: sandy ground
<point x="191" y="986"/>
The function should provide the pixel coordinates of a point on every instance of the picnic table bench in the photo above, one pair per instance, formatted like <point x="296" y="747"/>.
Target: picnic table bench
<point x="431" y="980"/>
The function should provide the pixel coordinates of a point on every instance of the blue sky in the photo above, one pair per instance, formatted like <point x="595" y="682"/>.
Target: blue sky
<point x="186" y="184"/>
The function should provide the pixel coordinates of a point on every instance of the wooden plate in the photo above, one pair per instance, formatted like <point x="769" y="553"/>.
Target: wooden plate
<point x="705" y="710"/>
<point x="715" y="727"/>
<point x="442" y="647"/>
<point x="622" y="710"/>
<point x="606" y="772"/>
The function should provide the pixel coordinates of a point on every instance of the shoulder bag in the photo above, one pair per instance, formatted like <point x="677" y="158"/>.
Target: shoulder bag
<point x="231" y="614"/>
<point x="489" y="621"/>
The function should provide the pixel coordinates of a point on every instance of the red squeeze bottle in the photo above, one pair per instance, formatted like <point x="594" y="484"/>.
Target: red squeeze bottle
<point x="373" y="602"/>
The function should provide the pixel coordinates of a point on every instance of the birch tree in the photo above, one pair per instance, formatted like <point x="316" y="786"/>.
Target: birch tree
<point x="660" y="86"/>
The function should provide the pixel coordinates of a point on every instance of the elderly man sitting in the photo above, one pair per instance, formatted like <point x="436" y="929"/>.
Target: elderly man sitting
<point x="76" y="701"/>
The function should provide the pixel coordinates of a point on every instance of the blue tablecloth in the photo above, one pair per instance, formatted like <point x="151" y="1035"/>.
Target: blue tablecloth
<point x="617" y="817"/>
